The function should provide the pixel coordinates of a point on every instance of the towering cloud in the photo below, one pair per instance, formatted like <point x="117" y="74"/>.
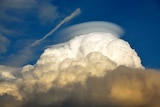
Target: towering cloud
<point x="95" y="68"/>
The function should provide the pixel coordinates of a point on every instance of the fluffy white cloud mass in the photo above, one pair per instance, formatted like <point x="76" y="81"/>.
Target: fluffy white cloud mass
<point x="86" y="55"/>
<point x="95" y="69"/>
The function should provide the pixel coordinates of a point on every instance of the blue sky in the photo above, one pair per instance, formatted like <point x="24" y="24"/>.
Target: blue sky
<point x="24" y="21"/>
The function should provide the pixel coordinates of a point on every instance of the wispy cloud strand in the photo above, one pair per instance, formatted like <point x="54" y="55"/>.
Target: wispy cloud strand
<point x="66" y="19"/>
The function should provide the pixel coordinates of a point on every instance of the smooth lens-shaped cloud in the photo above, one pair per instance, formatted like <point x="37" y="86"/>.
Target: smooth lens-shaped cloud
<point x="89" y="27"/>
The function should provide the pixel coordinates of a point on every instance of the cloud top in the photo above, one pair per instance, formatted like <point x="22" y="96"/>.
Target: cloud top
<point x="92" y="26"/>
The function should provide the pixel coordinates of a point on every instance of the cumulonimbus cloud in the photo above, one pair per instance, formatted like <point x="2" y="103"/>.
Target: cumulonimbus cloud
<point x="95" y="69"/>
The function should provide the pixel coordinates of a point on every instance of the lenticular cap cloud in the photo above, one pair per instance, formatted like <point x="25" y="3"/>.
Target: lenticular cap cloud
<point x="93" y="26"/>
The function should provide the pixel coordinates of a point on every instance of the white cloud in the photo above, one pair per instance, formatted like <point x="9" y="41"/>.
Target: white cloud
<point x="82" y="73"/>
<point x="7" y="73"/>
<point x="16" y="11"/>
<point x="21" y="58"/>
<point x="45" y="10"/>
<point x="4" y="42"/>
<point x="84" y="56"/>
<point x="66" y="19"/>
<point x="48" y="12"/>
<point x="18" y="4"/>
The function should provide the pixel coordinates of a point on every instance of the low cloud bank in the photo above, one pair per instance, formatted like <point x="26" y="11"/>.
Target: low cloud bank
<point x="121" y="87"/>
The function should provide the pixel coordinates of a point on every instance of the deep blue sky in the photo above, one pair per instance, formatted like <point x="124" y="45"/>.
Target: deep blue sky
<point x="24" y="21"/>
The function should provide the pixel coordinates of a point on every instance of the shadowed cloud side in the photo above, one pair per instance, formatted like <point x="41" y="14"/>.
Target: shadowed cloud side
<point x="122" y="87"/>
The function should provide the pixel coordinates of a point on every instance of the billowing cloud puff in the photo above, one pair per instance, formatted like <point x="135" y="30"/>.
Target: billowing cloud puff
<point x="95" y="69"/>
<point x="121" y="87"/>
